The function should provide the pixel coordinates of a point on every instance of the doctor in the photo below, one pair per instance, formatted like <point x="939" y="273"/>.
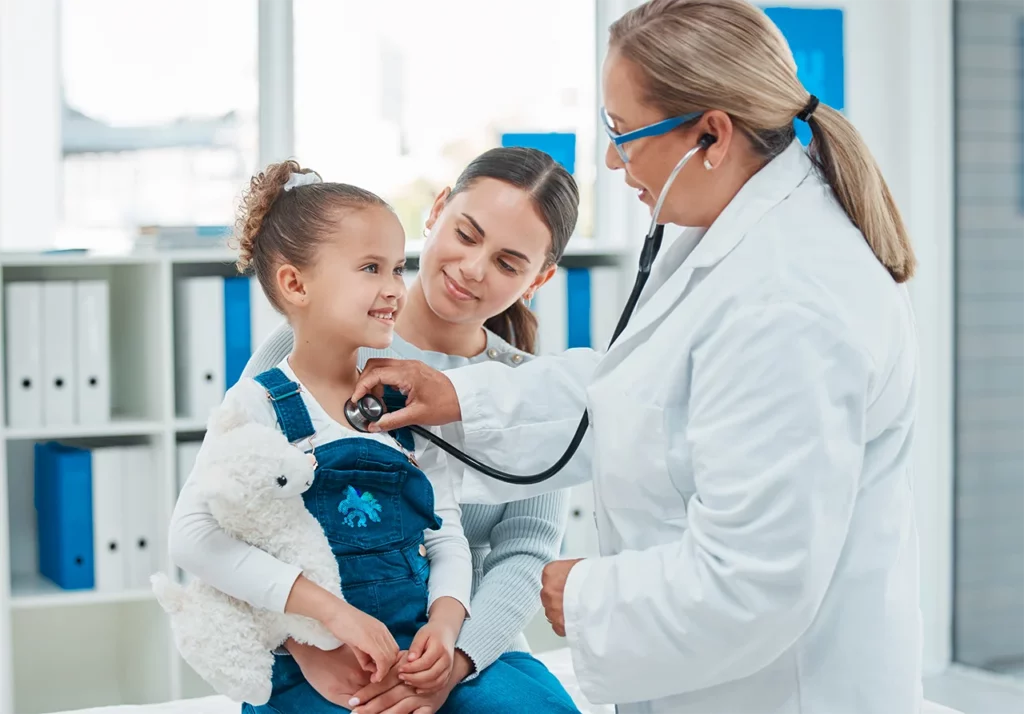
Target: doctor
<point x="751" y="429"/>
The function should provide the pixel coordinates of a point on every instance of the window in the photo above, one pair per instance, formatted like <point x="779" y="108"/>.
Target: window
<point x="160" y="111"/>
<point x="399" y="96"/>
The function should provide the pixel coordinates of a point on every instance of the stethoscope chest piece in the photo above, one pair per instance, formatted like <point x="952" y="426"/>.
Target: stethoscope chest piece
<point x="364" y="412"/>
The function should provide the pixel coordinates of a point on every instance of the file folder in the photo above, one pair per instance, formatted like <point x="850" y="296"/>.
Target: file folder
<point x="578" y="307"/>
<point x="141" y="504"/>
<point x="200" y="358"/>
<point x="59" y="400"/>
<point x="23" y="312"/>
<point x="92" y="371"/>
<point x="63" y="502"/>
<point x="237" y="328"/>
<point x="108" y="519"/>
<point x="550" y="305"/>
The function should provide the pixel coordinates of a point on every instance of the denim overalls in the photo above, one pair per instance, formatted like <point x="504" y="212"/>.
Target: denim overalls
<point x="373" y="503"/>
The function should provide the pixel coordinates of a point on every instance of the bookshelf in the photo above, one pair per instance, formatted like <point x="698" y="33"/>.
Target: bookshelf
<point x="62" y="650"/>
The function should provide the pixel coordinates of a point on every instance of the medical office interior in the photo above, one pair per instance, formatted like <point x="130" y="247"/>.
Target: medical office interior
<point x="128" y="130"/>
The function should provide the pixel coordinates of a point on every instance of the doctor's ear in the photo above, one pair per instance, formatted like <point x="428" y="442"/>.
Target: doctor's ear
<point x="717" y="125"/>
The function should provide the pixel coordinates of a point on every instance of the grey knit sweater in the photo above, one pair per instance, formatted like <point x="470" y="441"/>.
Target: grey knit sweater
<point x="510" y="543"/>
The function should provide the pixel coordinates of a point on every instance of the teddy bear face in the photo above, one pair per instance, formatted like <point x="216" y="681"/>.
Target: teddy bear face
<point x="256" y="462"/>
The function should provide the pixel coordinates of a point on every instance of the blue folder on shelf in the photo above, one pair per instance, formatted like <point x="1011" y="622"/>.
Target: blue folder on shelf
<point x="237" y="328"/>
<point x="63" y="501"/>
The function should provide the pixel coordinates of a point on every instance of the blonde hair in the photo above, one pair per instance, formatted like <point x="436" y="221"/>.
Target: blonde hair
<point x="727" y="55"/>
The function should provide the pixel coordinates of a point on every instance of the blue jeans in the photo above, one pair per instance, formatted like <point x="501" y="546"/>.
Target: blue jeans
<point x="516" y="684"/>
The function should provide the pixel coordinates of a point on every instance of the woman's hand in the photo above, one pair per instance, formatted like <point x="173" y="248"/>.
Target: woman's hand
<point x="430" y="396"/>
<point x="371" y="642"/>
<point x="552" y="592"/>
<point x="335" y="674"/>
<point x="403" y="699"/>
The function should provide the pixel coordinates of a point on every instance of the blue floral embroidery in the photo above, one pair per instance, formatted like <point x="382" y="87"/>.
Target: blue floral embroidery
<point x="358" y="509"/>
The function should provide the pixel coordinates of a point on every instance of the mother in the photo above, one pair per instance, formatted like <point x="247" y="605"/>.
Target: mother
<point x="753" y="426"/>
<point x="492" y="241"/>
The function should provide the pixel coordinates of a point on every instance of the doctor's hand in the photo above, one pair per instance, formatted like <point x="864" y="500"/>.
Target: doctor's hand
<point x="430" y="396"/>
<point x="552" y="592"/>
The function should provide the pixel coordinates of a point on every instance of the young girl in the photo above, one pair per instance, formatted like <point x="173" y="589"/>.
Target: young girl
<point x="492" y="241"/>
<point x="330" y="257"/>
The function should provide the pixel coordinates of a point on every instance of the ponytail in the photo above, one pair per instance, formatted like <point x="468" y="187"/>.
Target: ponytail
<point x="517" y="326"/>
<point x="844" y="161"/>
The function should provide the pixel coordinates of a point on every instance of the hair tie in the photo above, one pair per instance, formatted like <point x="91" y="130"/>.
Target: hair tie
<point x="297" y="179"/>
<point x="808" y="110"/>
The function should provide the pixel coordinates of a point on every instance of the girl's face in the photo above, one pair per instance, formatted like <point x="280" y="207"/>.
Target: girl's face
<point x="354" y="289"/>
<point x="487" y="248"/>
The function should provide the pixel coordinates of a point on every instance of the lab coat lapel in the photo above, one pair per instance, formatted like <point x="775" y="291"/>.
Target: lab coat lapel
<point x="763" y="191"/>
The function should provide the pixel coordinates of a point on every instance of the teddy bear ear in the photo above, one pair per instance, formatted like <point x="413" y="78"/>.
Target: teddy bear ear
<point x="227" y="416"/>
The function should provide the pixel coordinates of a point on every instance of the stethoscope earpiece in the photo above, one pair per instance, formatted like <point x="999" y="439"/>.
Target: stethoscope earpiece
<point x="361" y="414"/>
<point x="706" y="141"/>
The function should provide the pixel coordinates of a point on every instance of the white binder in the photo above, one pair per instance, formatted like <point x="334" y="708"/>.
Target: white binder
<point x="199" y="329"/>
<point x="59" y="352"/>
<point x="108" y="514"/>
<point x="92" y="308"/>
<point x="607" y="298"/>
<point x="264" y="319"/>
<point x="23" y="310"/>
<point x="551" y="306"/>
<point x="186" y="459"/>
<point x="141" y="499"/>
<point x="580" y="539"/>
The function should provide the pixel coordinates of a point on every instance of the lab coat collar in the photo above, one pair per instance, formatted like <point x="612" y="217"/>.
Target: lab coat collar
<point x="672" y="270"/>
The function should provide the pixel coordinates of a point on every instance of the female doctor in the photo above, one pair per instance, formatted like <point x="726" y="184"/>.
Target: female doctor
<point x="751" y="428"/>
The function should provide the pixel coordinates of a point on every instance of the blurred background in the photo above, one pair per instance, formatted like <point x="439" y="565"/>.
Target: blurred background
<point x="128" y="129"/>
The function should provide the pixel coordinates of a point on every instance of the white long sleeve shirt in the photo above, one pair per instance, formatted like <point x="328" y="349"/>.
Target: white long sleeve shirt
<point x="200" y="547"/>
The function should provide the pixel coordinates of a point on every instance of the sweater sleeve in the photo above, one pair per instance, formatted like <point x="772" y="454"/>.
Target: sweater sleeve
<point x="201" y="548"/>
<point x="527" y="538"/>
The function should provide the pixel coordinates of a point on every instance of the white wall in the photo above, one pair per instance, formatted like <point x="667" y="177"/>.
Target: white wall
<point x="29" y="123"/>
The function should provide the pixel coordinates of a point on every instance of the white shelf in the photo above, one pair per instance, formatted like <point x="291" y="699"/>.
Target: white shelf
<point x="34" y="591"/>
<point x="187" y="425"/>
<point x="115" y="428"/>
<point x="578" y="247"/>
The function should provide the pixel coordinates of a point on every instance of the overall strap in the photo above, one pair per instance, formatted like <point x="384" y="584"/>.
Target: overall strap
<point x="395" y="400"/>
<point x="291" y="411"/>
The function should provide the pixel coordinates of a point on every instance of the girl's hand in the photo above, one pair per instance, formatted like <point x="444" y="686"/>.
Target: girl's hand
<point x="428" y="666"/>
<point x="394" y="697"/>
<point x="371" y="642"/>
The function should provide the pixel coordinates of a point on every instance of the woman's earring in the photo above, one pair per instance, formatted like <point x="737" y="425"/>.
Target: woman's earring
<point x="707" y="165"/>
<point x="528" y="299"/>
<point x="425" y="234"/>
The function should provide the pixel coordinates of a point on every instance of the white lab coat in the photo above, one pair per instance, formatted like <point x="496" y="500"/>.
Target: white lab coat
<point x="750" y="445"/>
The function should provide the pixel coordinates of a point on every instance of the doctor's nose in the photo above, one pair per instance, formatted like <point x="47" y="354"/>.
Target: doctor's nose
<point x="612" y="159"/>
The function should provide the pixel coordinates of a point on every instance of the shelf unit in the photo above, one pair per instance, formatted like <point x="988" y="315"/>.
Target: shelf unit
<point x="62" y="650"/>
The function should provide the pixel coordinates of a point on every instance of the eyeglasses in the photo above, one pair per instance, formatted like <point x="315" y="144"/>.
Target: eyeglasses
<point x="657" y="129"/>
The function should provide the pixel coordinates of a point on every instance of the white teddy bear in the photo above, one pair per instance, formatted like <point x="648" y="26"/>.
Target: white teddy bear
<point x="253" y="480"/>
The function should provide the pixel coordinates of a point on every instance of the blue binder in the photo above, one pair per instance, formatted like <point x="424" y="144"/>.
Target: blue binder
<point x="560" y="146"/>
<point x="63" y="501"/>
<point x="577" y="281"/>
<point x="815" y="36"/>
<point x="237" y="328"/>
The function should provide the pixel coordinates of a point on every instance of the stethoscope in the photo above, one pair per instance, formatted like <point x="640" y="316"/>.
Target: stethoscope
<point x="369" y="408"/>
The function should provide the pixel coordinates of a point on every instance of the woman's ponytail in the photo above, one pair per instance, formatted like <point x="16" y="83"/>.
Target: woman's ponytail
<point x="517" y="326"/>
<point x="845" y="162"/>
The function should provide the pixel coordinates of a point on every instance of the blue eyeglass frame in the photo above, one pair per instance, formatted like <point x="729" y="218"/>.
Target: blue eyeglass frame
<point x="657" y="129"/>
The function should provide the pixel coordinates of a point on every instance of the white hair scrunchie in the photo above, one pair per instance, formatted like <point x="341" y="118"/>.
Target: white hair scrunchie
<point x="305" y="179"/>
